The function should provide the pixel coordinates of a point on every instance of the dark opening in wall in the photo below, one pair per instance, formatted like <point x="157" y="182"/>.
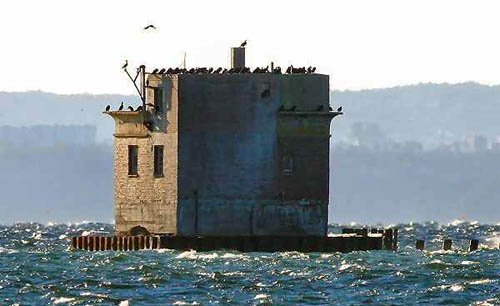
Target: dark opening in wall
<point x="158" y="99"/>
<point x="132" y="160"/>
<point x="158" y="161"/>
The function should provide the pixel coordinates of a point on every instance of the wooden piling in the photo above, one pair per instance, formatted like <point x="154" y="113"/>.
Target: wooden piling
<point x="388" y="239"/>
<point x="447" y="243"/>
<point x="420" y="244"/>
<point x="474" y="245"/>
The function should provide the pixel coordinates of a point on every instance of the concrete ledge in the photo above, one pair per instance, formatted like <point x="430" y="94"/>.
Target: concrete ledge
<point x="338" y="243"/>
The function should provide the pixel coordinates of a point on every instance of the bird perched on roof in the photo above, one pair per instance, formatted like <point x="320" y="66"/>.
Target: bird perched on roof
<point x="130" y="108"/>
<point x="155" y="71"/>
<point x="121" y="107"/>
<point x="125" y="65"/>
<point x="162" y="71"/>
<point x="139" y="108"/>
<point x="339" y="109"/>
<point x="150" y="27"/>
<point x="218" y="70"/>
<point x="243" y="44"/>
<point x="108" y="108"/>
<point x="289" y="69"/>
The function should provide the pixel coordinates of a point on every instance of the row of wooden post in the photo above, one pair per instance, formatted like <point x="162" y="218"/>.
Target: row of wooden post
<point x="447" y="244"/>
<point x="115" y="243"/>
<point x="390" y="235"/>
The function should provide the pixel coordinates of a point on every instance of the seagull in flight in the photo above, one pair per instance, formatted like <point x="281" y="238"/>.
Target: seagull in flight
<point x="150" y="27"/>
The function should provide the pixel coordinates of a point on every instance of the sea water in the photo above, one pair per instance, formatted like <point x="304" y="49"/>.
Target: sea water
<point x="37" y="267"/>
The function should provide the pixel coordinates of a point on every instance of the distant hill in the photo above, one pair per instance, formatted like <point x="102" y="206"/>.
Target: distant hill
<point x="428" y="113"/>
<point x="41" y="108"/>
<point x="431" y="114"/>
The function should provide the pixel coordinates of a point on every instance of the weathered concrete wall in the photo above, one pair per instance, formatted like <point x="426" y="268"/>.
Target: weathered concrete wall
<point x="230" y="176"/>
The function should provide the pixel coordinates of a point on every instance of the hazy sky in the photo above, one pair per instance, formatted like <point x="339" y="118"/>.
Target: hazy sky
<point x="79" y="46"/>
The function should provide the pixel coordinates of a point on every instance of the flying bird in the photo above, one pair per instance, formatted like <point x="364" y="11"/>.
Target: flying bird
<point x="108" y="108"/>
<point x="243" y="44"/>
<point x="121" y="107"/>
<point x="125" y="65"/>
<point x="150" y="27"/>
<point x="339" y="109"/>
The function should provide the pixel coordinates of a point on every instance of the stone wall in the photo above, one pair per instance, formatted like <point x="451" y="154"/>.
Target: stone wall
<point x="145" y="200"/>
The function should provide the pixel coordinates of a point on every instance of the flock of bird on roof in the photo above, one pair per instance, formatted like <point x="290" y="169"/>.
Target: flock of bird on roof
<point x="220" y="70"/>
<point x="282" y="108"/>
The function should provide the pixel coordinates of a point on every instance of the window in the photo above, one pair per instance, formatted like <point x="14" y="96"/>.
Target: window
<point x="287" y="164"/>
<point x="158" y="99"/>
<point x="158" y="159"/>
<point x="132" y="160"/>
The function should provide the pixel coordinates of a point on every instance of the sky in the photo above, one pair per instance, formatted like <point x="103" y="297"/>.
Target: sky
<point x="79" y="46"/>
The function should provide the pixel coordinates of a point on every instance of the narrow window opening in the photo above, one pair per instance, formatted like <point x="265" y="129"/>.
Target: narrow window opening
<point x="158" y="99"/>
<point x="287" y="164"/>
<point x="132" y="160"/>
<point x="158" y="161"/>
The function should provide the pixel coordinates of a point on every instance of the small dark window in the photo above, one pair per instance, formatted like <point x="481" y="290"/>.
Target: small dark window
<point x="158" y="158"/>
<point x="132" y="160"/>
<point x="158" y="99"/>
<point x="287" y="164"/>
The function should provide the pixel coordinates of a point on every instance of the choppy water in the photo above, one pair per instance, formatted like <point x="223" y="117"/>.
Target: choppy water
<point x="36" y="267"/>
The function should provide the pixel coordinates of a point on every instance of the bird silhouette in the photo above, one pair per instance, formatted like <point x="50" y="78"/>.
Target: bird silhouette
<point x="162" y="71"/>
<point x="121" y="107"/>
<point x="218" y="70"/>
<point x="130" y="108"/>
<point x="330" y="108"/>
<point x="339" y="109"/>
<point x="155" y="71"/>
<point x="108" y="108"/>
<point x="243" y="44"/>
<point x="125" y="65"/>
<point x="139" y="108"/>
<point x="150" y="27"/>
